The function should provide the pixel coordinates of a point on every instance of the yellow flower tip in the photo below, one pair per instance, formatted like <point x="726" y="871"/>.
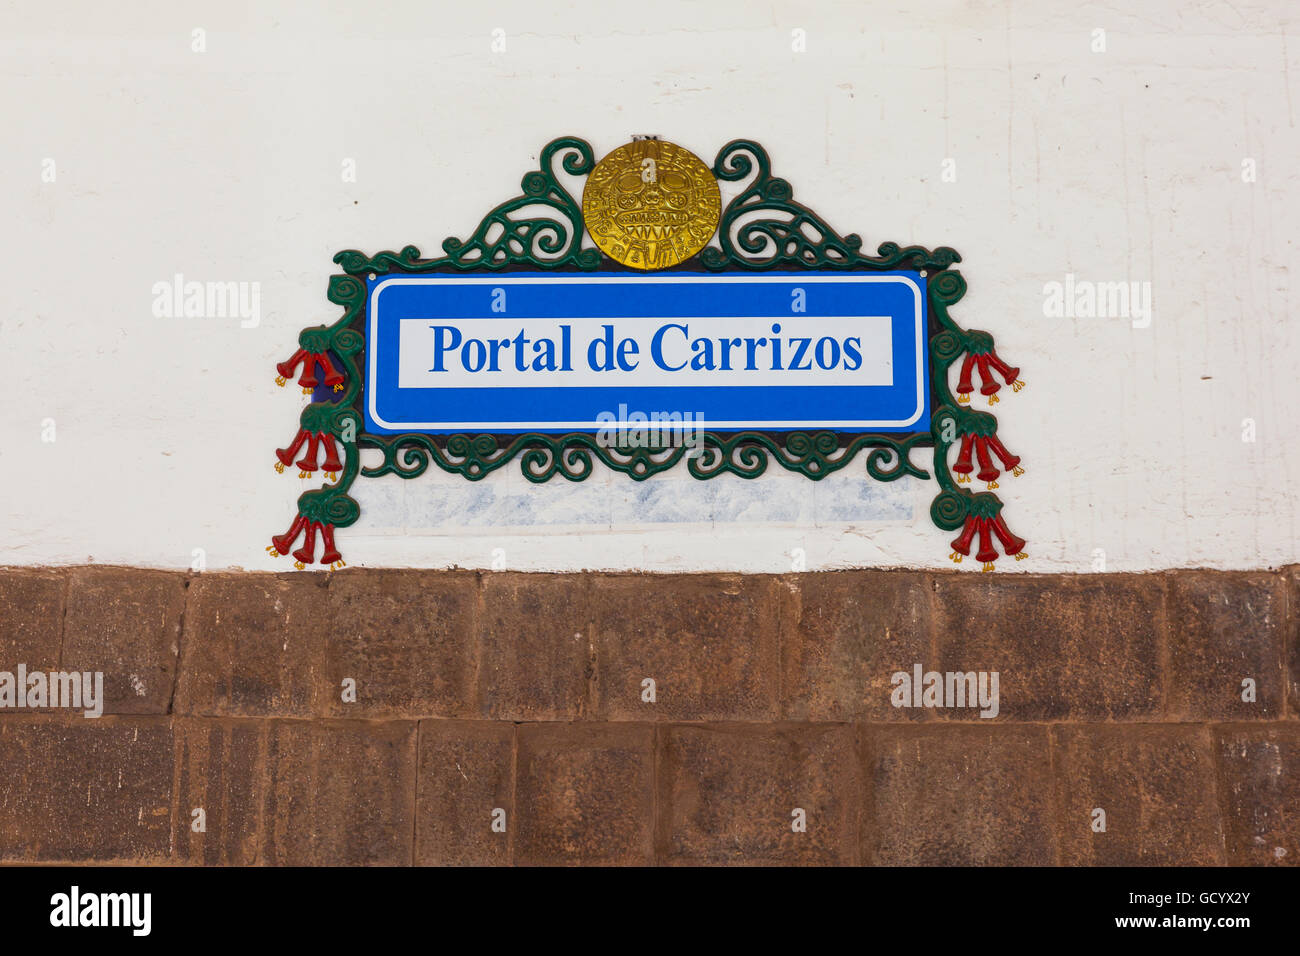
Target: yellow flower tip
<point x="299" y="565"/>
<point x="1018" y="471"/>
<point x="963" y="399"/>
<point x="280" y="380"/>
<point x="1017" y="385"/>
<point x="306" y="391"/>
<point x="1021" y="556"/>
<point x="992" y="485"/>
<point x="956" y="558"/>
<point x="338" y="387"/>
<point x="988" y="566"/>
<point x="993" y="399"/>
<point x="279" y="468"/>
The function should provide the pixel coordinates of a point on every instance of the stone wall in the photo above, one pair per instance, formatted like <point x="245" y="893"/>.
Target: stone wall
<point x="522" y="695"/>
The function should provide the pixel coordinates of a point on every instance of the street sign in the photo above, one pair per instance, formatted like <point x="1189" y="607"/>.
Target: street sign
<point x="565" y="352"/>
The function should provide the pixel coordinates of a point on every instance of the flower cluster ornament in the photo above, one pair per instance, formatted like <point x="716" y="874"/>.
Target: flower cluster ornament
<point x="319" y="513"/>
<point x="311" y="363"/>
<point x="281" y="543"/>
<point x="986" y="521"/>
<point x="980" y="437"/>
<point x="326" y="436"/>
<point x="307" y="464"/>
<point x="317" y="431"/>
<point x="980" y="355"/>
<point x="314" y="356"/>
<point x="978" y="515"/>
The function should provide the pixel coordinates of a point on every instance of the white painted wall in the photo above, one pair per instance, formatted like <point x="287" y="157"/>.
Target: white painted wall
<point x="1123" y="165"/>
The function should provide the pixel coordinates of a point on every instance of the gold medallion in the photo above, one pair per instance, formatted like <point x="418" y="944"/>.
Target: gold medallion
<point x="651" y="204"/>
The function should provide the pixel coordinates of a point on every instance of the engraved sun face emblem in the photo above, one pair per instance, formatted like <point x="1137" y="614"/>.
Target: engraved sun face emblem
<point x="651" y="204"/>
<point x="648" y="210"/>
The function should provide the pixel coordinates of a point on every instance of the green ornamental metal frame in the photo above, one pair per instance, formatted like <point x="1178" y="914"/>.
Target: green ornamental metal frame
<point x="763" y="227"/>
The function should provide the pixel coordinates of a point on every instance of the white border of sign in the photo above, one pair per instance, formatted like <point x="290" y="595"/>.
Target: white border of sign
<point x="517" y="278"/>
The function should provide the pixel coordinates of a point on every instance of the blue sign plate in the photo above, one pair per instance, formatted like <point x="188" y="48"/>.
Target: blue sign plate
<point x="565" y="352"/>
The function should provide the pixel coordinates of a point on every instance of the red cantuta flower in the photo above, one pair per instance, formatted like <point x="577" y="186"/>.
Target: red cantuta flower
<point x="286" y="368"/>
<point x="987" y="528"/>
<point x="309" y="361"/>
<point x="333" y="377"/>
<point x="286" y="454"/>
<point x="1009" y="373"/>
<point x="1013" y="544"/>
<point x="991" y="384"/>
<point x="988" y="472"/>
<point x="981" y="445"/>
<point x="963" y="468"/>
<point x="964" y="384"/>
<point x="307" y="464"/>
<point x="960" y="544"/>
<point x="331" y="464"/>
<point x="307" y="553"/>
<point x="1010" y="462"/>
<point x="985" y="361"/>
<point x="308" y="461"/>
<point x="281" y="543"/>
<point x="986" y="555"/>
<point x="329" y="554"/>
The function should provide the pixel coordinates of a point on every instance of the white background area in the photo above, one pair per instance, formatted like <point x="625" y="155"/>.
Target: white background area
<point x="226" y="165"/>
